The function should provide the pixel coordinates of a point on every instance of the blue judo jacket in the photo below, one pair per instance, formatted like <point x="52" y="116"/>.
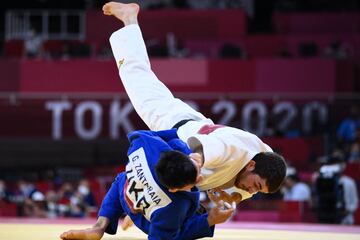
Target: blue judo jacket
<point x="153" y="209"/>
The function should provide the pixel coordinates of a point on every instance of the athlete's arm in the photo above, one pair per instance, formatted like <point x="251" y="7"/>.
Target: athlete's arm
<point x="216" y="195"/>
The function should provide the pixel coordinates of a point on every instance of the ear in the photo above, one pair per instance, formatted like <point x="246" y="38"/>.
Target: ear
<point x="250" y="166"/>
<point x="199" y="178"/>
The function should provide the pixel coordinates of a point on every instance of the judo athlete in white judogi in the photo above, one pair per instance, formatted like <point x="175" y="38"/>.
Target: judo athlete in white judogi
<point x="233" y="159"/>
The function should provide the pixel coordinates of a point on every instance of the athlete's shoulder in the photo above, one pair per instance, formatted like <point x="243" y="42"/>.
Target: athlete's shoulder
<point x="138" y="133"/>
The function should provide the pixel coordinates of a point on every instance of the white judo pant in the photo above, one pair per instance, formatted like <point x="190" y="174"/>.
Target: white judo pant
<point x="152" y="100"/>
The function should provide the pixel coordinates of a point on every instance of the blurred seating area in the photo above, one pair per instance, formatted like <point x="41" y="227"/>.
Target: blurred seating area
<point x="56" y="193"/>
<point x="286" y="70"/>
<point x="49" y="199"/>
<point x="225" y="33"/>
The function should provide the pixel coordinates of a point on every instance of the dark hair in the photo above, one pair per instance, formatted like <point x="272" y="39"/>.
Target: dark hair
<point x="175" y="170"/>
<point x="272" y="167"/>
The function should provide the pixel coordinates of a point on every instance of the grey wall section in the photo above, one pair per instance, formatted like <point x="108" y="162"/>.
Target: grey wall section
<point x="35" y="154"/>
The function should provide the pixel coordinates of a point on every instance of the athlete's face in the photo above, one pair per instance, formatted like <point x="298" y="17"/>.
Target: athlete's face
<point x="196" y="159"/>
<point x="249" y="181"/>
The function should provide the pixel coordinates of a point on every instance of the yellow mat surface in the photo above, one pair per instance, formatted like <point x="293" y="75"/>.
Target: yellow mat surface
<point x="13" y="231"/>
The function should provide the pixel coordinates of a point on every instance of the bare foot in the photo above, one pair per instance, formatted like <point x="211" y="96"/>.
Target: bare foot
<point x="127" y="223"/>
<point x="127" y="13"/>
<point x="86" y="234"/>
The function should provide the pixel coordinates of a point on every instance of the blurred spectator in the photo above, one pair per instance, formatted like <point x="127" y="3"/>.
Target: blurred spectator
<point x="214" y="4"/>
<point x="26" y="188"/>
<point x="66" y="202"/>
<point x="35" y="206"/>
<point x="65" y="193"/>
<point x="350" y="198"/>
<point x="74" y="203"/>
<point x="148" y="4"/>
<point x="33" y="44"/>
<point x="80" y="50"/>
<point x="328" y="194"/>
<point x="52" y="205"/>
<point x="337" y="198"/>
<point x="229" y="50"/>
<point x="308" y="49"/>
<point x="354" y="155"/>
<point x="286" y="5"/>
<point x="87" y="195"/>
<point x="284" y="52"/>
<point x="225" y="4"/>
<point x="319" y="5"/>
<point x="65" y="52"/>
<point x="338" y="50"/>
<point x="105" y="52"/>
<point x="31" y="200"/>
<point x="77" y="206"/>
<point x="181" y="4"/>
<point x="173" y="48"/>
<point x="349" y="126"/>
<point x="156" y="48"/>
<point x="294" y="189"/>
<point x="5" y="194"/>
<point x="157" y="4"/>
<point x="202" y="4"/>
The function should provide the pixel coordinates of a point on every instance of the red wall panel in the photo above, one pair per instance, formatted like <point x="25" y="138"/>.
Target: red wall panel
<point x="182" y="72"/>
<point x="262" y="75"/>
<point x="232" y="75"/>
<point x="263" y="45"/>
<point x="302" y="75"/>
<point x="102" y="76"/>
<point x="69" y="76"/>
<point x="9" y="80"/>
<point x="345" y="76"/>
<point x="297" y="150"/>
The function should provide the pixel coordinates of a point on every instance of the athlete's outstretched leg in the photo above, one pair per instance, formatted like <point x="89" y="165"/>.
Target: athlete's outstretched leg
<point x="151" y="99"/>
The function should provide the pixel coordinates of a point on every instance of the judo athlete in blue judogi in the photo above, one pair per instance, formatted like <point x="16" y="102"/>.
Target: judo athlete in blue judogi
<point x="157" y="191"/>
<point x="144" y="199"/>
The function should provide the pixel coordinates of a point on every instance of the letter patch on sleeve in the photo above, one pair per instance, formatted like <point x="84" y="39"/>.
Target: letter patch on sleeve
<point x="142" y="190"/>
